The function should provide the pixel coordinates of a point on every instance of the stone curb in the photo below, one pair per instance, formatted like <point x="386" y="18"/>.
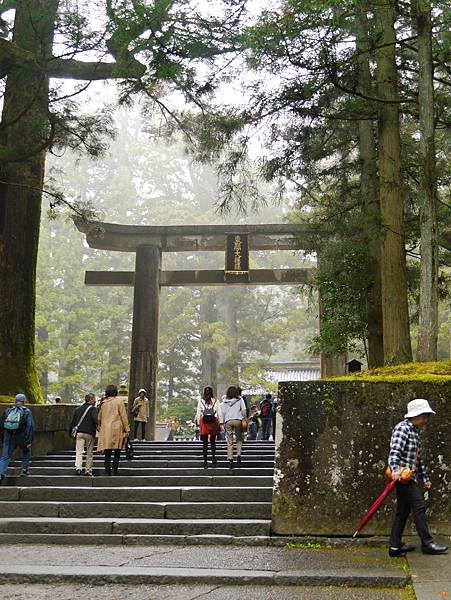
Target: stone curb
<point x="158" y="576"/>
<point x="185" y="540"/>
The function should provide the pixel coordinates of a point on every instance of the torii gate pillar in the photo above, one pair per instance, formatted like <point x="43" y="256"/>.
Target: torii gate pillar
<point x="146" y="317"/>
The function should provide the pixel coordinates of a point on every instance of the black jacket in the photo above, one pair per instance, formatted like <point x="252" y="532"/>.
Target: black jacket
<point x="89" y="423"/>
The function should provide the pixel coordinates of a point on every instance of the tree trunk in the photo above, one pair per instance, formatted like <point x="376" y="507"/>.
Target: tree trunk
<point x="370" y="196"/>
<point x="43" y="336"/>
<point x="26" y="108"/>
<point x="428" y="313"/>
<point x="397" y="347"/>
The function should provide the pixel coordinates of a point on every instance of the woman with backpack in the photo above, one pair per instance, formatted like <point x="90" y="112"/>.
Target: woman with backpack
<point x="208" y="416"/>
<point x="233" y="413"/>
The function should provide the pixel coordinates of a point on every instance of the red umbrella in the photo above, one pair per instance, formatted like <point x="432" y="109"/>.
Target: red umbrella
<point x="373" y="508"/>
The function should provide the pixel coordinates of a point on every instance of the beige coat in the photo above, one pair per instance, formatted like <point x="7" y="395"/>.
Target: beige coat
<point x="113" y="423"/>
<point x="143" y="405"/>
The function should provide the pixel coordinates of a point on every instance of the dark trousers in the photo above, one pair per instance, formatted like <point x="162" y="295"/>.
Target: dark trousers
<point x="204" y="439"/>
<point x="409" y="499"/>
<point x="116" y="457"/>
<point x="143" y="429"/>
<point x="266" y="427"/>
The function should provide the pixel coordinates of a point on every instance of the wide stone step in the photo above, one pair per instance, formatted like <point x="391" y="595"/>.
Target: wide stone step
<point x="178" y="446"/>
<point x="147" y="463"/>
<point x="136" y="494"/>
<point x="257" y="456"/>
<point x="46" y="525"/>
<point x="236" y="479"/>
<point x="145" y="510"/>
<point x="171" y="454"/>
<point x="218" y="471"/>
<point x="104" y="575"/>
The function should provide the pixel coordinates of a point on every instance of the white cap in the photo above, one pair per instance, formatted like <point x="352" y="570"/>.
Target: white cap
<point x="142" y="390"/>
<point x="416" y="407"/>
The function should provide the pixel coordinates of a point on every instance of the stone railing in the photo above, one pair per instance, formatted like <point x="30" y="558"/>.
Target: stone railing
<point x="332" y="448"/>
<point x="51" y="426"/>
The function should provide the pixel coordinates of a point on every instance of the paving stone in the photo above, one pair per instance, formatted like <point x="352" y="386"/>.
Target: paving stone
<point x="9" y="493"/>
<point x="227" y="510"/>
<point x="113" y="510"/>
<point x="190" y="526"/>
<point x="46" y="525"/>
<point x="105" y="494"/>
<point x="230" y="494"/>
<point x="29" y="509"/>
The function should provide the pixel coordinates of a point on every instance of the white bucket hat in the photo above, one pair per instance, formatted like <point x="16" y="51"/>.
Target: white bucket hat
<point x="142" y="390"/>
<point x="416" y="407"/>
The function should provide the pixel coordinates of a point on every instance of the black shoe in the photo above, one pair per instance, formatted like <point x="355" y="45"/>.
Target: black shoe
<point x="395" y="552"/>
<point x="434" y="548"/>
<point x="214" y="462"/>
<point x="406" y="548"/>
<point x="230" y="464"/>
<point x="238" y="460"/>
<point x="24" y="473"/>
<point x="2" y="477"/>
<point x="78" y="472"/>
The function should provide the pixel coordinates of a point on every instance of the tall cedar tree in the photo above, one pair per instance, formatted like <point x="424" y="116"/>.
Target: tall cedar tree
<point x="167" y="36"/>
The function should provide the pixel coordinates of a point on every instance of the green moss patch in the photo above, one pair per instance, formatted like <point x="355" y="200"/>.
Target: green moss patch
<point x="427" y="372"/>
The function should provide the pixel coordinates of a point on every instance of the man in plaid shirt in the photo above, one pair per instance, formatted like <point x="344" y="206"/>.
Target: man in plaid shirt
<point x="405" y="451"/>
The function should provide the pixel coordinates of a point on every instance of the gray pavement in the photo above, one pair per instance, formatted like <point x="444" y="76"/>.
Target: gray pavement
<point x="431" y="575"/>
<point x="204" y="557"/>
<point x="195" y="592"/>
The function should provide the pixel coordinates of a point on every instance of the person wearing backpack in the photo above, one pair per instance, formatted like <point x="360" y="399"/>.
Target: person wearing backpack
<point x="84" y="427"/>
<point x="266" y="415"/>
<point x="208" y="416"/>
<point x="233" y="413"/>
<point x="16" y="425"/>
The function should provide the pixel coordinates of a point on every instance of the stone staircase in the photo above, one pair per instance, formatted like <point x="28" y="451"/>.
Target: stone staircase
<point x="163" y="496"/>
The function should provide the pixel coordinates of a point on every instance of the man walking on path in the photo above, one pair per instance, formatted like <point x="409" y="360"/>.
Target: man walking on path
<point x="405" y="452"/>
<point x="85" y="418"/>
<point x="17" y="426"/>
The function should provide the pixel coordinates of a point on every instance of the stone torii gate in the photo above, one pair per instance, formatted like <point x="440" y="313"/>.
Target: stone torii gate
<point x="149" y="242"/>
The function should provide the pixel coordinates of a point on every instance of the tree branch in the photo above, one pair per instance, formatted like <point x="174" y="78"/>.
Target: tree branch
<point x="12" y="56"/>
<point x="94" y="71"/>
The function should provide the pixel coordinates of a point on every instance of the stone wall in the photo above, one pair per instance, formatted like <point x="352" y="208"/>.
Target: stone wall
<point x="51" y="426"/>
<point x="332" y="448"/>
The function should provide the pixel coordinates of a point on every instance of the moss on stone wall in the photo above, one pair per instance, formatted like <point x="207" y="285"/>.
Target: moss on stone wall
<point x="430" y="372"/>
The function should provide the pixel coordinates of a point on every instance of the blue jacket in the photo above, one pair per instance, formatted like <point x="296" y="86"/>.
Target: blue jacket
<point x="24" y="435"/>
